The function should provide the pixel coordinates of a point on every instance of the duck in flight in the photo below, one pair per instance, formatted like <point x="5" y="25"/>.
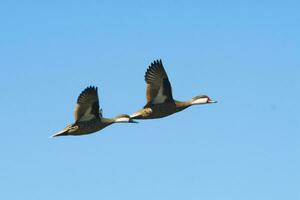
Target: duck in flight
<point x="160" y="102"/>
<point x="88" y="117"/>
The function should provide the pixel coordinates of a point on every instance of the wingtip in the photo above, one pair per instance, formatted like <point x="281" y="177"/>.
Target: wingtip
<point x="91" y="87"/>
<point x="157" y="62"/>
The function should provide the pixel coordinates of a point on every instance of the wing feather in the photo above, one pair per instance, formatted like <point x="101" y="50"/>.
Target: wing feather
<point x="159" y="88"/>
<point x="87" y="106"/>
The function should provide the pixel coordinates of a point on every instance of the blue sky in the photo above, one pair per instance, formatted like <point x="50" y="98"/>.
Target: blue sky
<point x="245" y="54"/>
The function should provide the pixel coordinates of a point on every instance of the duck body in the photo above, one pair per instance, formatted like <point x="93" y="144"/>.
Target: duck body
<point x="154" y="111"/>
<point x="83" y="127"/>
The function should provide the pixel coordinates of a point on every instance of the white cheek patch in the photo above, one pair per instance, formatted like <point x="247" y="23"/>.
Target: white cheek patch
<point x="160" y="98"/>
<point x="122" y="119"/>
<point x="200" y="101"/>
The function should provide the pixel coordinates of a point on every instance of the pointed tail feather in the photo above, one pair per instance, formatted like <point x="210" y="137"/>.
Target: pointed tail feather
<point x="60" y="133"/>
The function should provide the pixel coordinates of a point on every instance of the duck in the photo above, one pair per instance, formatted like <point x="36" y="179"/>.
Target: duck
<point x="88" y="116"/>
<point x="160" y="102"/>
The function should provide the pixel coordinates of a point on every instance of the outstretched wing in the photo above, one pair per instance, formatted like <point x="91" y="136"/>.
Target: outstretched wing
<point x="159" y="89"/>
<point x="87" y="106"/>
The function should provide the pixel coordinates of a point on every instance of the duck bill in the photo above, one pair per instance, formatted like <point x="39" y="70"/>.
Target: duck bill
<point x="211" y="101"/>
<point x="133" y="121"/>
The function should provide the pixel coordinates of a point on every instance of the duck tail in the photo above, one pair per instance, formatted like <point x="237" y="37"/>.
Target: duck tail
<point x="60" y="133"/>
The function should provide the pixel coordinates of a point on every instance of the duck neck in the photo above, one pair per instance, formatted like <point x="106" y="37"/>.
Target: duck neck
<point x="181" y="105"/>
<point x="107" y="120"/>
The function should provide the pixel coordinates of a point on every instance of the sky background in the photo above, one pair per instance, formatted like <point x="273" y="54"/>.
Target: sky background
<point x="245" y="54"/>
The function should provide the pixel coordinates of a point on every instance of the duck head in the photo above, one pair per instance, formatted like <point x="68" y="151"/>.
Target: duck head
<point x="201" y="99"/>
<point x="124" y="119"/>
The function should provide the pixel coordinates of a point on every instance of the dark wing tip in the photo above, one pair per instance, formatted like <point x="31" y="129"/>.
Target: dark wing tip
<point x="91" y="87"/>
<point x="153" y="68"/>
<point x="156" y="62"/>
<point x="90" y="90"/>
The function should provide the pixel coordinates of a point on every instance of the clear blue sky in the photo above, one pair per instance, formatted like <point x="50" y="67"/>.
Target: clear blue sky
<point x="245" y="54"/>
